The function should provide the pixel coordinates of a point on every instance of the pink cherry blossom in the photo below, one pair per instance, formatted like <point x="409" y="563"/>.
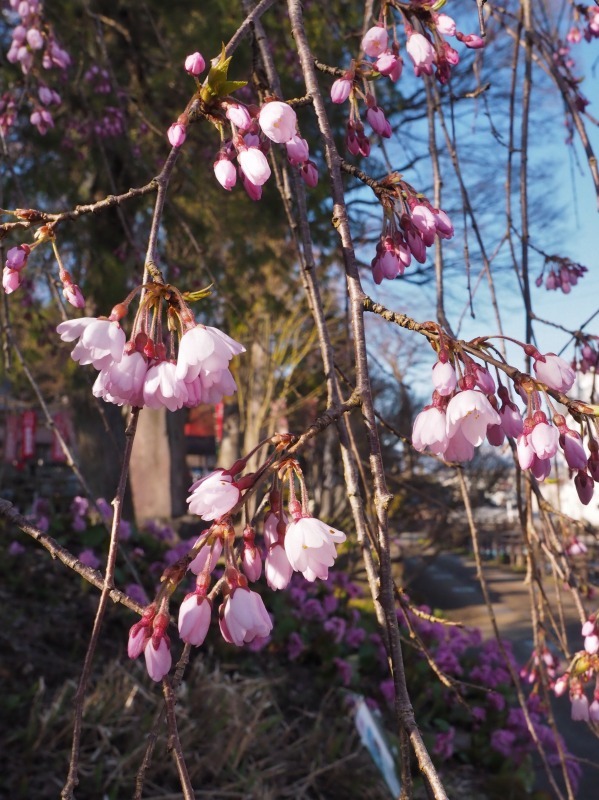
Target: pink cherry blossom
<point x="555" y="372"/>
<point x="243" y="617"/>
<point x="225" y="173"/>
<point x="213" y="496"/>
<point x="123" y="380"/>
<point x="195" y="64"/>
<point x="424" y="220"/>
<point x="511" y="420"/>
<point x="158" y="658"/>
<point x="254" y="192"/>
<point x="162" y="388"/>
<point x="215" y="385"/>
<point x="205" y="349"/>
<point x="277" y="569"/>
<point x="470" y="412"/>
<point x="375" y="41"/>
<point x="580" y="708"/>
<point x="194" y="619"/>
<point x="525" y="451"/>
<point x="422" y="54"/>
<point x="544" y="440"/>
<point x="100" y="341"/>
<point x="459" y="448"/>
<point x="390" y="65"/>
<point x="310" y="547"/>
<point x="254" y="165"/>
<point x="540" y="468"/>
<point x="278" y="121"/>
<point x="430" y="431"/>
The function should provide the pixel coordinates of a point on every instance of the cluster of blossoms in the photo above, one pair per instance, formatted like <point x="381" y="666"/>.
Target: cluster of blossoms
<point x="589" y="353"/>
<point x="16" y="261"/>
<point x="294" y="540"/>
<point x="564" y="275"/>
<point x="33" y="43"/>
<point x="465" y="411"/>
<point x="410" y="225"/>
<point x="583" y="671"/>
<point x="544" y="661"/>
<point x="146" y="370"/>
<point x="252" y="131"/>
<point x="589" y="16"/>
<point x="427" y="50"/>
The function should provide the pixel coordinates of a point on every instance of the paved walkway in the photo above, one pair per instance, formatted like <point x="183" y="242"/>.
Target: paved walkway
<point x="448" y="582"/>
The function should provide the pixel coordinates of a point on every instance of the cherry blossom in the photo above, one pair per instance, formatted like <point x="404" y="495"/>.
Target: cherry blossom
<point x="213" y="496"/>
<point x="310" y="547"/>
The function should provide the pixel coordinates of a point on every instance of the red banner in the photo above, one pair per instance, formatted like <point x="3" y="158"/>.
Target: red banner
<point x="11" y="438"/>
<point x="219" y="418"/>
<point x="28" y="425"/>
<point x="61" y="427"/>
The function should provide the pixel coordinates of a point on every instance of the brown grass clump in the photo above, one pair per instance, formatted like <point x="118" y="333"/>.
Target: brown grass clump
<point x="239" y="740"/>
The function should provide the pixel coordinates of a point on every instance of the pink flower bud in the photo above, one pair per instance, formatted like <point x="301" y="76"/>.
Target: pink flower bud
<point x="195" y="64"/>
<point x="495" y="435"/>
<point x="309" y="174"/>
<point x="341" y="90"/>
<point x="573" y="448"/>
<point x="11" y="280"/>
<point x="73" y="295"/>
<point x="194" y="618"/>
<point x="445" y="24"/>
<point x="278" y="121"/>
<point x="378" y="122"/>
<point x="554" y="371"/>
<point x="421" y="52"/>
<point x="585" y="486"/>
<point x="297" y="150"/>
<point x="225" y="173"/>
<point x="471" y="40"/>
<point x="176" y="134"/>
<point x="35" y="40"/>
<point x="254" y="164"/>
<point x="390" y="65"/>
<point x="375" y="41"/>
<point x="138" y="638"/>
<point x="158" y="657"/>
<point x="444" y="378"/>
<point x="239" y="116"/>
<point x="254" y="192"/>
<point x="16" y="258"/>
<point x="251" y="562"/>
